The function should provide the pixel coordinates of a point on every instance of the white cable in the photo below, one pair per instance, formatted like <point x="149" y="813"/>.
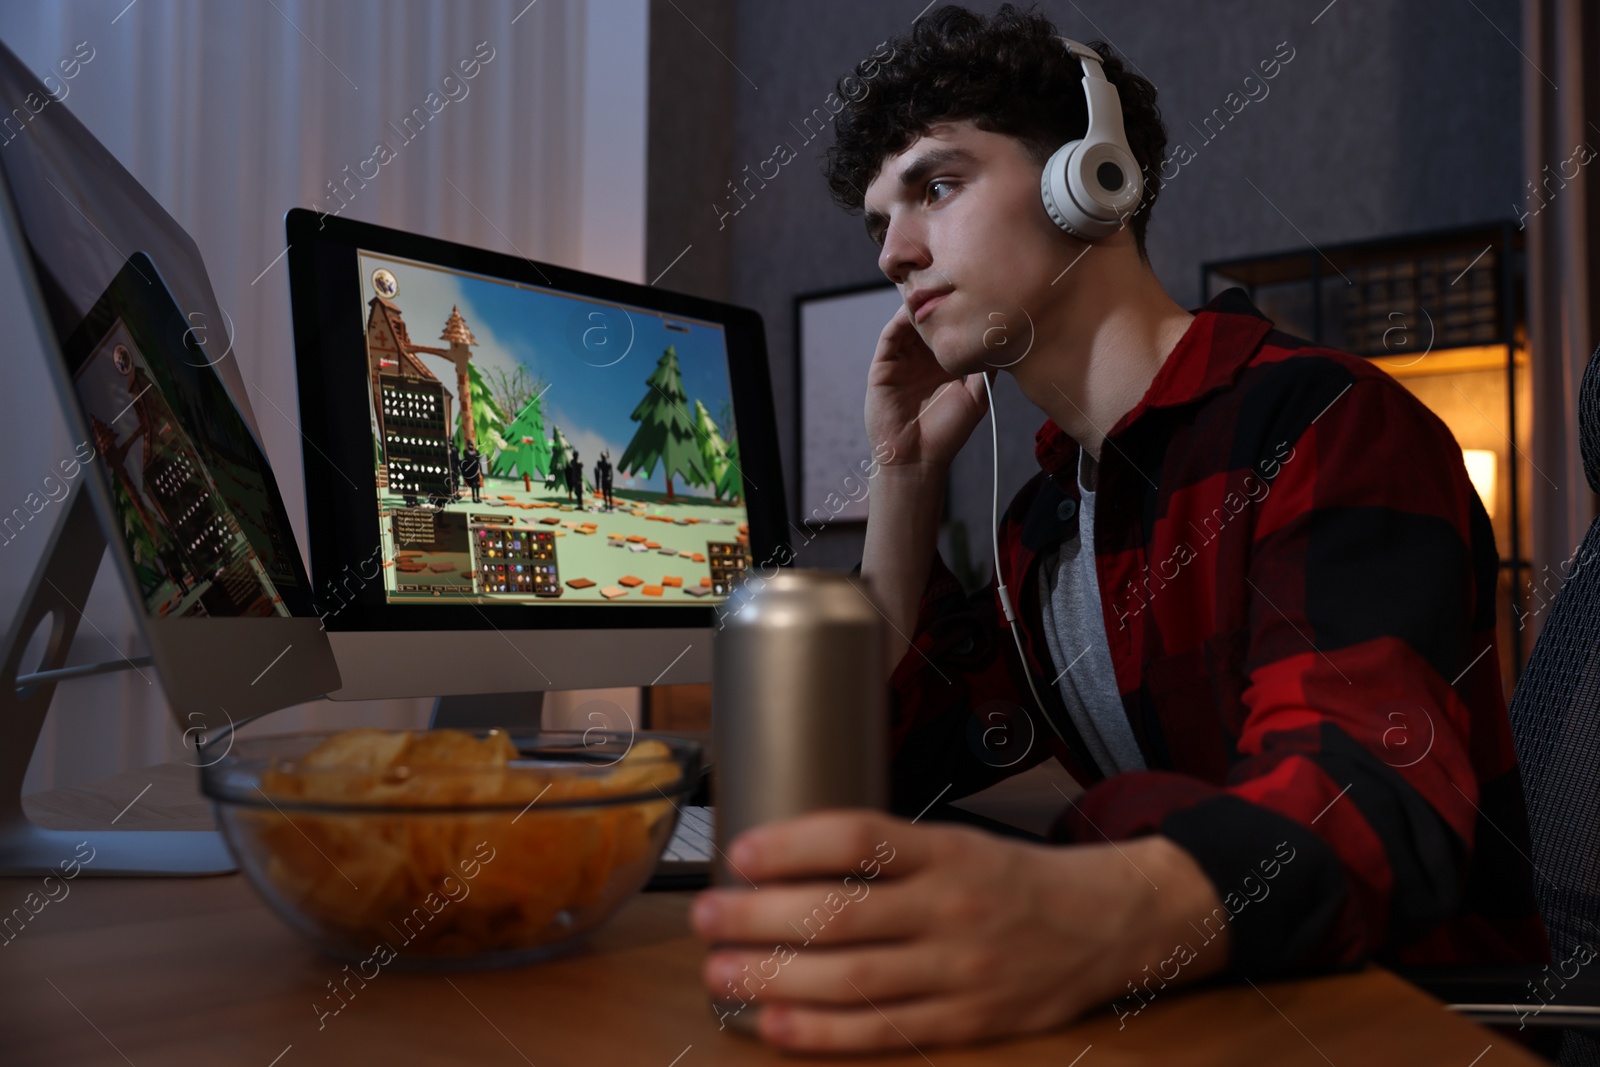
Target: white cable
<point x="999" y="578"/>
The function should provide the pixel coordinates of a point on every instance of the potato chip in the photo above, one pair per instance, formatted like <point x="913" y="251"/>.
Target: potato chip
<point x="455" y="748"/>
<point x="358" y="750"/>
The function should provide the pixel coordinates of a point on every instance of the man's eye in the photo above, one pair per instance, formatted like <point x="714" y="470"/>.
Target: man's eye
<point x="937" y="182"/>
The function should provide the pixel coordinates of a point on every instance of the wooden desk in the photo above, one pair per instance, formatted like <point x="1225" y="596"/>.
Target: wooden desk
<point x="198" y="971"/>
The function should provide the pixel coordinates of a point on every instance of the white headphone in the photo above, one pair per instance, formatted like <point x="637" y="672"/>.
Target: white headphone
<point x="1090" y="185"/>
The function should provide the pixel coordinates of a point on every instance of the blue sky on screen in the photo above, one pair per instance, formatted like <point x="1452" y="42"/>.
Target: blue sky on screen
<point x="596" y="367"/>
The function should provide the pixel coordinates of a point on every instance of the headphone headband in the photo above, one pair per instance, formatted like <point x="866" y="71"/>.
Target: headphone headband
<point x="1086" y="54"/>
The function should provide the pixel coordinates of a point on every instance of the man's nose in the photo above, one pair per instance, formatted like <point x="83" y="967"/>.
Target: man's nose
<point x="902" y="253"/>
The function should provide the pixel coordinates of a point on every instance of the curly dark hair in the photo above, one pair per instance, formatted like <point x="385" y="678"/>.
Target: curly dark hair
<point x="1007" y="74"/>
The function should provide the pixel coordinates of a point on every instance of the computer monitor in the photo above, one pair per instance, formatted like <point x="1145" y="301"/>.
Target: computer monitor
<point x="167" y="471"/>
<point x="156" y="405"/>
<point x="521" y="477"/>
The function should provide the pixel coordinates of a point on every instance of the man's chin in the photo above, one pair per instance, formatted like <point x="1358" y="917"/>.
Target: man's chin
<point x="966" y="361"/>
<point x="949" y="356"/>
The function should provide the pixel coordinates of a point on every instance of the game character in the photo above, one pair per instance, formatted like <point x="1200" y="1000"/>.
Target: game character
<point x="472" y="471"/>
<point x="575" y="478"/>
<point x="602" y="477"/>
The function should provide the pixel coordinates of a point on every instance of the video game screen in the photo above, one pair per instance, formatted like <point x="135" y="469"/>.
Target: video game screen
<point x="191" y="491"/>
<point x="534" y="446"/>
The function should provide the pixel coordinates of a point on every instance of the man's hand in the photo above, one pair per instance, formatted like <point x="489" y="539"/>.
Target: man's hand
<point x="916" y="411"/>
<point x="918" y="416"/>
<point x="887" y="933"/>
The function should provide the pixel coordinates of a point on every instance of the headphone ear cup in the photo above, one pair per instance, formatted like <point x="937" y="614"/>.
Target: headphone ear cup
<point x="1055" y="190"/>
<point x="1087" y="189"/>
<point x="1105" y="181"/>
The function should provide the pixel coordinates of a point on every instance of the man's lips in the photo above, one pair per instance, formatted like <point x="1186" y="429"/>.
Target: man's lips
<point x="926" y="307"/>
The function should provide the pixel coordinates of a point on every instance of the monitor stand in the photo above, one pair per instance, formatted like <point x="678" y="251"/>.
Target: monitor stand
<point x="482" y="711"/>
<point x="55" y="597"/>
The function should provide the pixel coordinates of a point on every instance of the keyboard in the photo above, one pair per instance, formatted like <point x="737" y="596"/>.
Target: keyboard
<point x="686" y="863"/>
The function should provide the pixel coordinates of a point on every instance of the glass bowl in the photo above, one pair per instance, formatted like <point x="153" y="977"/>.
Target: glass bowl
<point x="419" y="849"/>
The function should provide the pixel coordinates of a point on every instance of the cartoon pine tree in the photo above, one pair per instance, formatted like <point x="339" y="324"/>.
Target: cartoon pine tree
<point x="730" y="485"/>
<point x="488" y="421"/>
<point x="526" y="451"/>
<point x="665" y="434"/>
<point x="713" y="450"/>
<point x="560" y="457"/>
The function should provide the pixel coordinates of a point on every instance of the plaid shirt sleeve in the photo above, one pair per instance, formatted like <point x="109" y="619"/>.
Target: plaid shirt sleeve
<point x="1319" y="698"/>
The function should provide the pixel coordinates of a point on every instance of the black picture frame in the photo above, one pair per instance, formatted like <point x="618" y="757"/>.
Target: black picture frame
<point x="855" y="399"/>
<point x="802" y="499"/>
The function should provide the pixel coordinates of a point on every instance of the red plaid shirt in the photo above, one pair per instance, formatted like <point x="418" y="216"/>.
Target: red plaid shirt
<point x="1297" y="581"/>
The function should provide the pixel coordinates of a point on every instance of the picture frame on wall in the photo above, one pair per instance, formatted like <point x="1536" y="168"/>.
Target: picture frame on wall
<point x="836" y="333"/>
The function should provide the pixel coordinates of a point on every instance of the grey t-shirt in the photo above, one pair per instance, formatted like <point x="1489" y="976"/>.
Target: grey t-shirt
<point x="1074" y="628"/>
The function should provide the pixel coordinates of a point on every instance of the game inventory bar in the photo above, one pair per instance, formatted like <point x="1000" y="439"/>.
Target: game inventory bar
<point x="512" y="560"/>
<point x="442" y="554"/>
<point x="728" y="560"/>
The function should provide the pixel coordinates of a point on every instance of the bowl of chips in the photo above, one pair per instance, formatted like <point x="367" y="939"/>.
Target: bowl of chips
<point x="449" y="848"/>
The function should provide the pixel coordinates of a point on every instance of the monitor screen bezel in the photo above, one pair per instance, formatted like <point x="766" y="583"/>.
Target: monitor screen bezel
<point x="342" y="525"/>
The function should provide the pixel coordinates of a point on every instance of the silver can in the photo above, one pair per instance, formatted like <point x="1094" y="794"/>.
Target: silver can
<point x="799" y="711"/>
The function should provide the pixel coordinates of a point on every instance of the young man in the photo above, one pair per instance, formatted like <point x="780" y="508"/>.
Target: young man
<point x="1255" y="591"/>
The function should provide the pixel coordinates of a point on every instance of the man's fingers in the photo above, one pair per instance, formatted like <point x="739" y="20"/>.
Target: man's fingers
<point x="824" y="913"/>
<point x="839" y="976"/>
<point x="892" y="337"/>
<point x="900" y="341"/>
<point x="845" y="841"/>
<point x="907" y="1026"/>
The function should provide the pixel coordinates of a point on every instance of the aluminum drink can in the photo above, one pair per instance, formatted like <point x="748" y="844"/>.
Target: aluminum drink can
<point x="799" y="711"/>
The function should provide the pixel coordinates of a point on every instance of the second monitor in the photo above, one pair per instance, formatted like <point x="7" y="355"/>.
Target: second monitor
<point x="522" y="477"/>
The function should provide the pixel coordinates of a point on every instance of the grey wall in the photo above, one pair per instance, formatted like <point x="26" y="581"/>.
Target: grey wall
<point x="690" y="152"/>
<point x="1391" y="117"/>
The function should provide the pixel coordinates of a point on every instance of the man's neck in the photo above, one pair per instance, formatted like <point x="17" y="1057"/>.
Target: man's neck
<point x="1098" y="349"/>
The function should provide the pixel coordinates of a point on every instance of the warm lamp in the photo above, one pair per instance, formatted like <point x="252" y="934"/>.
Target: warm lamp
<point x="1481" y="469"/>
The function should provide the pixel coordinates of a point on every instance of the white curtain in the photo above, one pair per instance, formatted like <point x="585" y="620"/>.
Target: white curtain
<point x="232" y="113"/>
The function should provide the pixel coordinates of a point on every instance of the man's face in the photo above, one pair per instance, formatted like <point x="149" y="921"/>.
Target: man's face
<point x="959" y="211"/>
